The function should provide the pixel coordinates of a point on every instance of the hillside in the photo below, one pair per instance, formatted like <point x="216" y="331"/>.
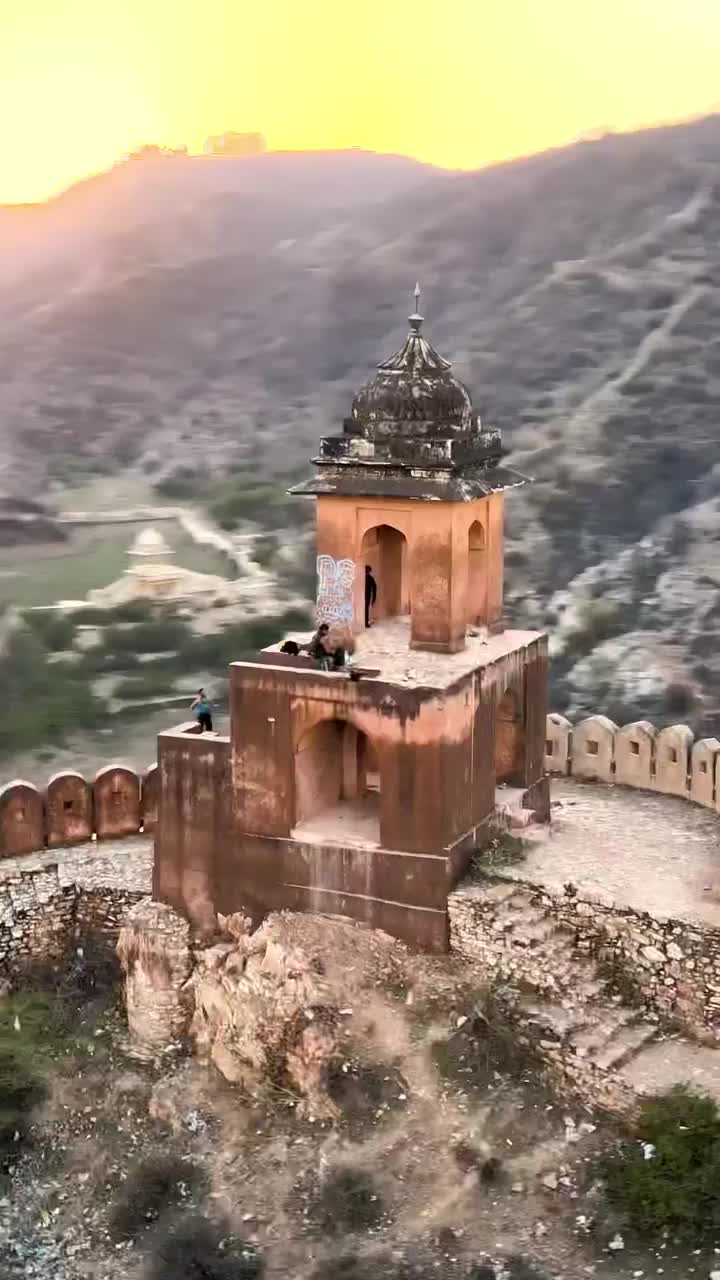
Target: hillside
<point x="220" y="313"/>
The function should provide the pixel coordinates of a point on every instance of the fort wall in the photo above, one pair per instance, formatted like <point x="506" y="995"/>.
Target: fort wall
<point x="670" y="966"/>
<point x="76" y="853"/>
<point x="54" y="901"/>
<point x="670" y="761"/>
<point x="70" y="810"/>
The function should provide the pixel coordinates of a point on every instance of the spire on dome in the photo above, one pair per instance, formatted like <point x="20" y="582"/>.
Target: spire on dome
<point x="416" y="319"/>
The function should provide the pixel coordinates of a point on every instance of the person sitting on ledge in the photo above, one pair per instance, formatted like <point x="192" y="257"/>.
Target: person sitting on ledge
<point x="337" y="643"/>
<point x="315" y="647"/>
<point x="201" y="707"/>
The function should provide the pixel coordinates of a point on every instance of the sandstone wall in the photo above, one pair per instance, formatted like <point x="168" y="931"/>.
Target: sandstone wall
<point x="70" y="810"/>
<point x="668" y="760"/>
<point x="673" y="966"/>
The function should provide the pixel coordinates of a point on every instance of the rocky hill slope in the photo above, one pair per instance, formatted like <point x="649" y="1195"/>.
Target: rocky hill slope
<point x="222" y="312"/>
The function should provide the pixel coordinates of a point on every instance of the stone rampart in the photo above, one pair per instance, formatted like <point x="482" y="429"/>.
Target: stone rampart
<point x="670" y="761"/>
<point x="672" y="966"/>
<point x="53" y="901"/>
<point x="70" y="810"/>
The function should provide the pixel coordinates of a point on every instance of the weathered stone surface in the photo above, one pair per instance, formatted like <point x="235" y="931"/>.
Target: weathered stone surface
<point x="68" y="809"/>
<point x="154" y="951"/>
<point x="22" y="819"/>
<point x="263" y="1014"/>
<point x="557" y="743"/>
<point x="54" y="901"/>
<point x="593" y="748"/>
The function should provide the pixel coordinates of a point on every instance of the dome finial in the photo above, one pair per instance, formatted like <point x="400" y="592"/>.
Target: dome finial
<point x="416" y="319"/>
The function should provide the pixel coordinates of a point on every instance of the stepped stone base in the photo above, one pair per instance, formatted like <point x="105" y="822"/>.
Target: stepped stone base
<point x="596" y="981"/>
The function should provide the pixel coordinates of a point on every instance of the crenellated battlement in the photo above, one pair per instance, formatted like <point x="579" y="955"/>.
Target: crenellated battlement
<point x="669" y="761"/>
<point x="120" y="801"/>
<point x="69" y="810"/>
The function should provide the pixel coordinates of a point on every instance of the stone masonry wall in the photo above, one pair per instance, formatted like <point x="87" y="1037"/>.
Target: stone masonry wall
<point x="673" y="966"/>
<point x="54" y="901"/>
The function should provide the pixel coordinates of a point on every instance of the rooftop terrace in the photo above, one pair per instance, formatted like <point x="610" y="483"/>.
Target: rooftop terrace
<point x="385" y="649"/>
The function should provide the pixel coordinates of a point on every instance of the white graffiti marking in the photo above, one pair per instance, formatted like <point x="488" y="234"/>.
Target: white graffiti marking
<point x="336" y="579"/>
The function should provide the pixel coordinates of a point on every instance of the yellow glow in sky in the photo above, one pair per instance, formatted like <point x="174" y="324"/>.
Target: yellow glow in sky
<point x="456" y="82"/>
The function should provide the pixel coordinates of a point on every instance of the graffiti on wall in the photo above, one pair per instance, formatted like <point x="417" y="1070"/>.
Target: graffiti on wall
<point x="336" y="581"/>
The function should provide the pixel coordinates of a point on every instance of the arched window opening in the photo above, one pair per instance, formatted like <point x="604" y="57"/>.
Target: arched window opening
<point x="509" y="741"/>
<point x="476" y="612"/>
<point x="384" y="549"/>
<point x="337" y="786"/>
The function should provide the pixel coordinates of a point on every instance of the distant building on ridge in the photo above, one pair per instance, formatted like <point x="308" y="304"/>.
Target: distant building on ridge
<point x="235" y="144"/>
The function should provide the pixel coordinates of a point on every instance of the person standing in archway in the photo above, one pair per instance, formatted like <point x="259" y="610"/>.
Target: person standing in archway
<point x="370" y="593"/>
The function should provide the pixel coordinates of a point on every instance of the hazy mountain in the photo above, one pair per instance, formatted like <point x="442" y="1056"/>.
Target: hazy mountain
<point x="227" y="308"/>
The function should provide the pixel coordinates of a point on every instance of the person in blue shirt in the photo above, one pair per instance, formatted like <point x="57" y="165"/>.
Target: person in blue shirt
<point x="201" y="707"/>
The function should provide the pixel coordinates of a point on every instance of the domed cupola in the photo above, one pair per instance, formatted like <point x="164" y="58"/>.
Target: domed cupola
<point x="412" y="433"/>
<point x="414" y="393"/>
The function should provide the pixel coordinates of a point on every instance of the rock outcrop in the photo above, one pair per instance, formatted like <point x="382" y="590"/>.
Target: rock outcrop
<point x="262" y="1013"/>
<point x="253" y="1004"/>
<point x="156" y="959"/>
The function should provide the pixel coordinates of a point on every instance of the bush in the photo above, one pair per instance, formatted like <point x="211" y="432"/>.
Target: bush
<point x="133" y="611"/>
<point x="599" y="621"/>
<point x="673" y="1184"/>
<point x="183" y="484"/>
<point x="345" y="1200"/>
<point x="43" y="703"/>
<point x="156" y="1184"/>
<point x="489" y="1045"/>
<point x="155" y="636"/>
<point x="195" y="1249"/>
<point x="25" y="1046"/>
<point x="679" y="699"/>
<point x="55" y="631"/>
<point x="146" y="685"/>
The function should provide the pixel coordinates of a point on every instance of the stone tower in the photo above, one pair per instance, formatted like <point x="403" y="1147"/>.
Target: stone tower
<point x="414" y="488"/>
<point x="363" y="793"/>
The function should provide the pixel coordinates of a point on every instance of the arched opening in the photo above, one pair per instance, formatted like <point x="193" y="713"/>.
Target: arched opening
<point x="476" y="611"/>
<point x="385" y="550"/>
<point x="337" y="786"/>
<point x="509" y="741"/>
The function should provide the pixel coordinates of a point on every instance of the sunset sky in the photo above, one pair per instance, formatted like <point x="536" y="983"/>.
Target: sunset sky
<point x="459" y="83"/>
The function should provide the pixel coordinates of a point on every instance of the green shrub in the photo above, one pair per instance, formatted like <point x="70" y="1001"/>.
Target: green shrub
<point x="599" y="620"/>
<point x="346" y="1199"/>
<point x="195" y="1249"/>
<point x="154" y="636"/>
<point x="679" y="699"/>
<point x="133" y="611"/>
<point x="268" y="505"/>
<point x="55" y="631"/>
<point x="155" y="1185"/>
<point x="43" y="703"/>
<point x="90" y="616"/>
<point x="666" y="1176"/>
<point x="145" y="685"/>
<point x="183" y="484"/>
<point x="26" y="1046"/>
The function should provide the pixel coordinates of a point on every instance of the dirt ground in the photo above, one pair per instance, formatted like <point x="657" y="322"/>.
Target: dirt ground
<point x="675" y="847"/>
<point x="450" y="1158"/>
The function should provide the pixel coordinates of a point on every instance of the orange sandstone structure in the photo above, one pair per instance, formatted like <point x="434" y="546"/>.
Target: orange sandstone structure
<point x="364" y="793"/>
